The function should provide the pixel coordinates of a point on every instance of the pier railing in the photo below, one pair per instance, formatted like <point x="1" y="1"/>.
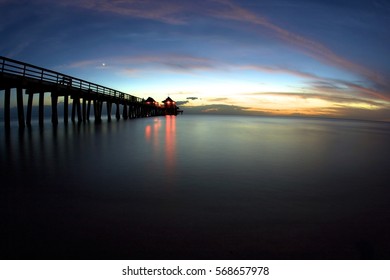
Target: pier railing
<point x="29" y="71"/>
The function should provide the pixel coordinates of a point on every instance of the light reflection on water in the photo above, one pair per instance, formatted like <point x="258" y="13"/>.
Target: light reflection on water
<point x="198" y="187"/>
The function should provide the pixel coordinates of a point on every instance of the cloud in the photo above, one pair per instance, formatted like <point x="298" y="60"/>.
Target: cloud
<point x="317" y="50"/>
<point x="83" y="63"/>
<point x="179" y="12"/>
<point x="325" y="85"/>
<point x="337" y="100"/>
<point x="185" y="62"/>
<point x="19" y="48"/>
<point x="319" y="83"/>
<point x="173" y="62"/>
<point x="326" y="111"/>
<point x="183" y="102"/>
<point x="361" y="114"/>
<point x="278" y="69"/>
<point x="6" y="2"/>
<point x="163" y="11"/>
<point x="217" y="109"/>
<point x="218" y="99"/>
<point x="335" y="85"/>
<point x="368" y="91"/>
<point x="130" y="65"/>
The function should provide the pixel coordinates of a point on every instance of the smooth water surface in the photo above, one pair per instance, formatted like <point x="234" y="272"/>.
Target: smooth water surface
<point x="197" y="187"/>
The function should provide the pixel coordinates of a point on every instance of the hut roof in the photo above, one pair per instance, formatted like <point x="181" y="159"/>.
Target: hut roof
<point x="151" y="100"/>
<point x="168" y="100"/>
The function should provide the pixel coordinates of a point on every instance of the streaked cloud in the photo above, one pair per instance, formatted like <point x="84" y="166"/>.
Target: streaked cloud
<point x="177" y="12"/>
<point x="219" y="99"/>
<point x="280" y="70"/>
<point x="164" y="11"/>
<point x="322" y="83"/>
<point x="174" y="62"/>
<point x="251" y="56"/>
<point x="181" y="102"/>
<point x="133" y="65"/>
<point x="319" y="51"/>
<point x="335" y="99"/>
<point x="217" y="109"/>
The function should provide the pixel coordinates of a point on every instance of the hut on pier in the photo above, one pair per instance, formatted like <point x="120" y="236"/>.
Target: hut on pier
<point x="170" y="107"/>
<point x="150" y="101"/>
<point x="152" y="107"/>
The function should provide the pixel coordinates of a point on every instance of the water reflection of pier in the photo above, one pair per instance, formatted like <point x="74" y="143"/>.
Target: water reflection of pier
<point x="170" y="143"/>
<point x="19" y="77"/>
<point x="163" y="148"/>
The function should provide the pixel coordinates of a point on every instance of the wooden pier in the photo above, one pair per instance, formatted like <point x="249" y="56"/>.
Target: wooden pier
<point x="20" y="77"/>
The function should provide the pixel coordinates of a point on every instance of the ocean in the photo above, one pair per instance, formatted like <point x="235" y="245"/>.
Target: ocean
<point x="197" y="187"/>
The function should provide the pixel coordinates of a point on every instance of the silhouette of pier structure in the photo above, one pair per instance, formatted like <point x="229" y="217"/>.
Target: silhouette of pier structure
<point x="34" y="80"/>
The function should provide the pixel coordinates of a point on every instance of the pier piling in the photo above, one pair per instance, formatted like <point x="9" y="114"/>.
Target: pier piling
<point x="54" y="112"/>
<point x="7" y="116"/>
<point x="74" y="108"/>
<point x="29" y="107"/>
<point x="84" y="109"/>
<point x="88" y="109"/>
<point x="41" y="108"/>
<point x="117" y="114"/>
<point x="66" y="108"/>
<point x="125" y="115"/>
<point x="19" y="100"/>
<point x="108" y="110"/>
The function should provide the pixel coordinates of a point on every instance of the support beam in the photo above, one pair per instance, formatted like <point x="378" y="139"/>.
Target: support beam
<point x="54" y="113"/>
<point x="88" y="109"/>
<point x="84" y="110"/>
<point x="7" y="115"/>
<point x="19" y="100"/>
<point x="79" y="116"/>
<point x="109" y="110"/>
<point x="66" y="108"/>
<point x="131" y="111"/>
<point x="100" y="108"/>
<point x="118" y="113"/>
<point x="73" y="110"/>
<point x="29" y="107"/>
<point x="95" y="109"/>
<point x="41" y="108"/>
<point x="125" y="115"/>
<point x="74" y="107"/>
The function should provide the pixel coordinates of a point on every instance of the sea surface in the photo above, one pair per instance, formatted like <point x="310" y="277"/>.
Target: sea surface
<point x="197" y="187"/>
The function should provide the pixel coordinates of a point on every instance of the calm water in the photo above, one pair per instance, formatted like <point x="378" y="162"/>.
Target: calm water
<point x="197" y="187"/>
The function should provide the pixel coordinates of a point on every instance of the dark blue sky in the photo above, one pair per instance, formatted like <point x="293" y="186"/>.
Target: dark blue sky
<point x="320" y="58"/>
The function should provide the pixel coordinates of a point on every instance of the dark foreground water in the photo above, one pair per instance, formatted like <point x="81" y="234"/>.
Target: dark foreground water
<point x="197" y="187"/>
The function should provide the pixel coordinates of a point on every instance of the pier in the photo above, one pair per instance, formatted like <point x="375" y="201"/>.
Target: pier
<point x="23" y="78"/>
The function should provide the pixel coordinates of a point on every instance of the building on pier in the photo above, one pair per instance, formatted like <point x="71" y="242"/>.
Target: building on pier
<point x="170" y="108"/>
<point x="152" y="107"/>
<point x="151" y="101"/>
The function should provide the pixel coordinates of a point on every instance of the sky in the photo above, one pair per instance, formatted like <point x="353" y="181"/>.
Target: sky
<point x="267" y="57"/>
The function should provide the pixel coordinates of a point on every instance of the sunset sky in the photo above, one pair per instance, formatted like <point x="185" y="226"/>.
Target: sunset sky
<point x="267" y="57"/>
